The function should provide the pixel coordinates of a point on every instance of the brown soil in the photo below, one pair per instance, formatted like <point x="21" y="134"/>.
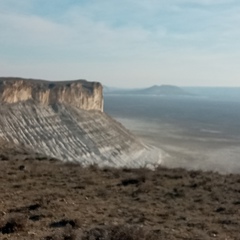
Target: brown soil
<point x="47" y="199"/>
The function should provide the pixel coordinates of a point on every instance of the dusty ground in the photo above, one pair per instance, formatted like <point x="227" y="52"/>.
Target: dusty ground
<point x="50" y="200"/>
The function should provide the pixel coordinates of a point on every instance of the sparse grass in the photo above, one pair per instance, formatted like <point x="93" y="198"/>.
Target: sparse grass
<point x="122" y="232"/>
<point x="58" y="201"/>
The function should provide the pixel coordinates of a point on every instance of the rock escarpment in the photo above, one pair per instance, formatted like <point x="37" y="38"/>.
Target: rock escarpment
<point x="52" y="119"/>
<point x="79" y="93"/>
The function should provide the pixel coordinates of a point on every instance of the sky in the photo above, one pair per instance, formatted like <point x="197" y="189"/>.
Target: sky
<point x="127" y="43"/>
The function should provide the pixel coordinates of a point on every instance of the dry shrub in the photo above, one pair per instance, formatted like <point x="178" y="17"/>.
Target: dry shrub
<point x="102" y="192"/>
<point x="133" y="181"/>
<point x="66" y="233"/>
<point x="105" y="233"/>
<point x="12" y="224"/>
<point x="75" y="223"/>
<point x="112" y="173"/>
<point x="119" y="233"/>
<point x="146" y="187"/>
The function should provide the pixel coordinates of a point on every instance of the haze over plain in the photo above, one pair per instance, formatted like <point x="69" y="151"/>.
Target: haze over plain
<point x="124" y="44"/>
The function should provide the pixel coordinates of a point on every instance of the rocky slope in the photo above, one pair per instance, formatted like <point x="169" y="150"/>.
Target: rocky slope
<point x="52" y="119"/>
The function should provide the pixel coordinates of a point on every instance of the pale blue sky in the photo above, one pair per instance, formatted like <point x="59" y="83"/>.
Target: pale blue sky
<point x="125" y="43"/>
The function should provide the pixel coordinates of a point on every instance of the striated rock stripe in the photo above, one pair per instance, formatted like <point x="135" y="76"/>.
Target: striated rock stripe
<point x="72" y="134"/>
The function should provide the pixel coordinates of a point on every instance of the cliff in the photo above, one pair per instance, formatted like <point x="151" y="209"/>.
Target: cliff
<point x="51" y="118"/>
<point x="79" y="93"/>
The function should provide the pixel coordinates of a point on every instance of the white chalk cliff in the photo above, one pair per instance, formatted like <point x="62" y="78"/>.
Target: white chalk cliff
<point x="65" y="120"/>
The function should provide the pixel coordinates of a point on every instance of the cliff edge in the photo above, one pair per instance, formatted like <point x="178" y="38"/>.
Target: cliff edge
<point x="79" y="93"/>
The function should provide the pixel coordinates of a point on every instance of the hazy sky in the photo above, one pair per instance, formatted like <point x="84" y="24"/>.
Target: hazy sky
<point x="123" y="43"/>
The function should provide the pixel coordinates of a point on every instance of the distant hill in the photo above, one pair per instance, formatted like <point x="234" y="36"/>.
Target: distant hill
<point x="110" y="90"/>
<point x="164" y="90"/>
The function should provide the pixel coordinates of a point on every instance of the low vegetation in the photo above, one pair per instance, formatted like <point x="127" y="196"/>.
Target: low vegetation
<point x="50" y="200"/>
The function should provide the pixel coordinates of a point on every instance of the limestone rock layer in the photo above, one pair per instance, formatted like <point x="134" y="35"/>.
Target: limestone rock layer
<point x="78" y="93"/>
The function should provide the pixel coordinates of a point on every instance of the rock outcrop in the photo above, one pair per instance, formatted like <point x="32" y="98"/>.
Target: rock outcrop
<point x="79" y="93"/>
<point x="52" y="119"/>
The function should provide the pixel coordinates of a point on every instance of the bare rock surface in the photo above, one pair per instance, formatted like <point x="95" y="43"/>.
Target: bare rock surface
<point x="79" y="93"/>
<point x="64" y="120"/>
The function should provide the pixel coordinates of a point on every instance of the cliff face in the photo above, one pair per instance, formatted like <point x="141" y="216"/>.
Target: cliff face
<point x="79" y="93"/>
<point x="51" y="119"/>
